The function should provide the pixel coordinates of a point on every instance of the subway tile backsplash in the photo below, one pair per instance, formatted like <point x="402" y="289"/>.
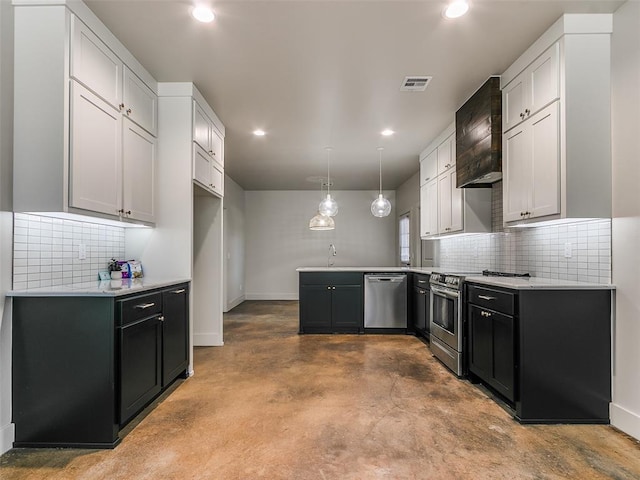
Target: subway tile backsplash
<point x="45" y="250"/>
<point x="539" y="251"/>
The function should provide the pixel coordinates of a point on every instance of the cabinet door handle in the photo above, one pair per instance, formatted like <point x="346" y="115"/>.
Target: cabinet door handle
<point x="144" y="306"/>
<point x="128" y="111"/>
<point x="527" y="112"/>
<point x="161" y="318"/>
<point x="328" y="288"/>
<point x="427" y="179"/>
<point x="120" y="107"/>
<point x="422" y="281"/>
<point x="182" y="290"/>
<point x="485" y="314"/>
<point x="522" y="115"/>
<point x="486" y="297"/>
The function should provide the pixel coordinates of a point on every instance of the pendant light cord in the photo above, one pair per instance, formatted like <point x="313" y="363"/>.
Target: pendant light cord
<point x="380" y="150"/>
<point x="328" y="171"/>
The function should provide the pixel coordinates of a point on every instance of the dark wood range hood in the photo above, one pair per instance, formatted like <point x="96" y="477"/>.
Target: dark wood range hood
<point x="479" y="137"/>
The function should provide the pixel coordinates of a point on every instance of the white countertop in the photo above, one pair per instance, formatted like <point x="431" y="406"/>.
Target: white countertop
<point x="536" y="283"/>
<point x="105" y="288"/>
<point x="425" y="270"/>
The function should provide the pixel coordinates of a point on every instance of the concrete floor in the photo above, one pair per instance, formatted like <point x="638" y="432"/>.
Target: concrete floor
<point x="273" y="404"/>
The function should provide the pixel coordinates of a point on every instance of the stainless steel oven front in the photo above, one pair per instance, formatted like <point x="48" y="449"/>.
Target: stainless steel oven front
<point x="446" y="335"/>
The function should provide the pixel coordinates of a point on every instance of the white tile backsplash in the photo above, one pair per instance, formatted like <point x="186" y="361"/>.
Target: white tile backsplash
<point x="45" y="250"/>
<point x="539" y="251"/>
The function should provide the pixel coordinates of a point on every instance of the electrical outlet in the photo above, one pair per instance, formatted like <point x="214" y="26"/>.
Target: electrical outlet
<point x="568" y="250"/>
<point x="82" y="252"/>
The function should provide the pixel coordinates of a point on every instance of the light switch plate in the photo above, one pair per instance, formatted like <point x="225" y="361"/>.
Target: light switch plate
<point x="82" y="251"/>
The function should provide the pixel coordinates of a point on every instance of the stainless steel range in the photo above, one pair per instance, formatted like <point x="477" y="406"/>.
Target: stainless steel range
<point x="446" y="334"/>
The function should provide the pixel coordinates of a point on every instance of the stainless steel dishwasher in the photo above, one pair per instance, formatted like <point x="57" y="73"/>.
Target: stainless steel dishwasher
<point x="385" y="300"/>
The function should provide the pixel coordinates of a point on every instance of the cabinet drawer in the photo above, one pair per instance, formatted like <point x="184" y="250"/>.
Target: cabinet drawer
<point x="421" y="281"/>
<point x="496" y="300"/>
<point x="136" y="308"/>
<point x="331" y="278"/>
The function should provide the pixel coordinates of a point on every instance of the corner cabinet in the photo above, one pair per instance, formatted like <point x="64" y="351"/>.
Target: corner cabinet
<point x="124" y="352"/>
<point x="331" y="302"/>
<point x="445" y="209"/>
<point x="556" y="110"/>
<point x="546" y="352"/>
<point x="95" y="119"/>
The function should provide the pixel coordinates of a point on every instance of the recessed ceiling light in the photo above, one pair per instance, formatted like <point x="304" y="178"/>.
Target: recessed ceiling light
<point x="259" y="133"/>
<point x="202" y="13"/>
<point x="456" y="9"/>
<point x="387" y="132"/>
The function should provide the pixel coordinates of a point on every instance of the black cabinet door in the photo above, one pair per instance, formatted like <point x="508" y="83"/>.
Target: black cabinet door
<point x="420" y="300"/>
<point x="346" y="308"/>
<point x="491" y="349"/>
<point x="315" y="309"/>
<point x="175" y="333"/>
<point x="503" y="354"/>
<point x="480" y="343"/>
<point x="139" y="368"/>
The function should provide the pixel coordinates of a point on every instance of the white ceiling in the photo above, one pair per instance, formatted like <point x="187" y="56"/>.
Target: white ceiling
<point x="328" y="73"/>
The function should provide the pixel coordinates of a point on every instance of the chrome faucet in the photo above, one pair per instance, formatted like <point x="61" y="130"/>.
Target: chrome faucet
<point x="332" y="253"/>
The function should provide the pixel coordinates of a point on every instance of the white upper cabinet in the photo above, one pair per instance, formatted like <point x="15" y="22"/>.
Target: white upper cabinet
<point x="429" y="208"/>
<point x="95" y="153"/>
<point x="138" y="173"/>
<point x="94" y="65"/>
<point x="206" y="134"/>
<point x="447" y="154"/>
<point x="557" y="122"/>
<point x="445" y="209"/>
<point x="140" y="103"/>
<point x="429" y="167"/>
<point x="532" y="187"/>
<point x="93" y="117"/>
<point x="535" y="88"/>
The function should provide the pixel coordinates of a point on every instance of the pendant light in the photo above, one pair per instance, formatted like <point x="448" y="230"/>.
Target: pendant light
<point x="381" y="207"/>
<point x="328" y="206"/>
<point x="320" y="221"/>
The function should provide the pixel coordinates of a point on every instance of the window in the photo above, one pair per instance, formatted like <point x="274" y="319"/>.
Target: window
<point x="404" y="241"/>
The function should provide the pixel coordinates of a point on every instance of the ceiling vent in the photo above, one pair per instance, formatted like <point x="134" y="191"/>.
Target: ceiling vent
<point x="416" y="83"/>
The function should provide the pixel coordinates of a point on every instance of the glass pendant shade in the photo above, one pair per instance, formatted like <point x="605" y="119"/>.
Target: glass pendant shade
<point x="322" y="222"/>
<point x="328" y="206"/>
<point x="381" y="207"/>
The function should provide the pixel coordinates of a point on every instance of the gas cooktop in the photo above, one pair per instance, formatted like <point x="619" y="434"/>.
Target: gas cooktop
<point x="489" y="273"/>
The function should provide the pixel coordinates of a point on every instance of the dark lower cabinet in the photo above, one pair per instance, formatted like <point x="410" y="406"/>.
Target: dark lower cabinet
<point x="84" y="366"/>
<point x="175" y="333"/>
<point x="331" y="302"/>
<point x="491" y="349"/>
<point x="420" y="304"/>
<point x="546" y="352"/>
<point x="139" y="367"/>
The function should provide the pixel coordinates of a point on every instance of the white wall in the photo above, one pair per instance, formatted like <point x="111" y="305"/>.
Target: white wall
<point x="278" y="239"/>
<point x="625" y="63"/>
<point x="234" y="244"/>
<point x="6" y="219"/>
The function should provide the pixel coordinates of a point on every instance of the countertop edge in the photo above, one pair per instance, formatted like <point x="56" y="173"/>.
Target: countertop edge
<point x="537" y="283"/>
<point x="105" y="288"/>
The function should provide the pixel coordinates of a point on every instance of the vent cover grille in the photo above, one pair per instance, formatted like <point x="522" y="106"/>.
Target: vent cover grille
<point x="416" y="83"/>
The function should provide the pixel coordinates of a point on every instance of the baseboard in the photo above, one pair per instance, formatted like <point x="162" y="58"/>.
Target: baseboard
<point x="234" y="303"/>
<point x="624" y="420"/>
<point x="7" y="436"/>
<point x="207" y="340"/>
<point x="271" y="296"/>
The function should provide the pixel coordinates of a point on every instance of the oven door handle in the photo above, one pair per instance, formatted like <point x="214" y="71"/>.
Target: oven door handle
<point x="444" y="293"/>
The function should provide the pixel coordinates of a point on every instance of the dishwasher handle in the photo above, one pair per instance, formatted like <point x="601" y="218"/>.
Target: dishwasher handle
<point x="385" y="278"/>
